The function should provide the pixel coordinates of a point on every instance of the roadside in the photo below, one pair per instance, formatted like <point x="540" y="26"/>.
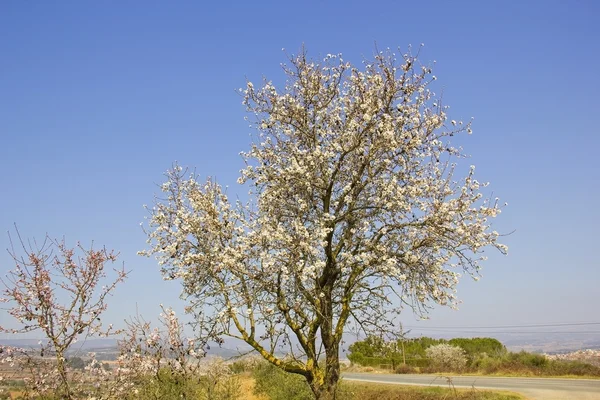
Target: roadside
<point x="532" y="388"/>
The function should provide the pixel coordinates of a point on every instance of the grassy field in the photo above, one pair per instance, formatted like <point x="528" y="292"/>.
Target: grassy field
<point x="349" y="390"/>
<point x="273" y="384"/>
<point x="566" y="370"/>
<point x="372" y="391"/>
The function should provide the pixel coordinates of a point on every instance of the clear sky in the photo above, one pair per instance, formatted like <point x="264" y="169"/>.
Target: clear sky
<point x="98" y="99"/>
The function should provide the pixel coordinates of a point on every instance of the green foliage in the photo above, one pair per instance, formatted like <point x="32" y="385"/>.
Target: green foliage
<point x="372" y="346"/>
<point x="375" y="352"/>
<point x="168" y="385"/>
<point x="577" y="368"/>
<point x="277" y="384"/>
<point x="476" y="346"/>
<point x="529" y="364"/>
<point x="486" y="364"/>
<point x="245" y="364"/>
<point x="165" y="385"/>
<point x="484" y="355"/>
<point x="415" y="348"/>
<point x="529" y="359"/>
<point x="238" y="367"/>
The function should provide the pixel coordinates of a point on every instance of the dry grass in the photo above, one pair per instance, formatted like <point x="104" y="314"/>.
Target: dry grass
<point x="247" y="388"/>
<point x="373" y="391"/>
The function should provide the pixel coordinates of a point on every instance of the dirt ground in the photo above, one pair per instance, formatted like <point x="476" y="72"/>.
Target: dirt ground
<point x="247" y="384"/>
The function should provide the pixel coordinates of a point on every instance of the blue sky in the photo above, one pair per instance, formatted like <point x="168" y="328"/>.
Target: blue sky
<point x="98" y="99"/>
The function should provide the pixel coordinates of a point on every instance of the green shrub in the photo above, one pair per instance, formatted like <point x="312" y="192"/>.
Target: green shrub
<point x="277" y="384"/>
<point x="524" y="363"/>
<point x="238" y="367"/>
<point x="486" y="364"/>
<point x="529" y="359"/>
<point x="214" y="383"/>
<point x="245" y="364"/>
<point x="375" y="352"/>
<point x="477" y="346"/>
<point x="165" y="385"/>
<point x="578" y="368"/>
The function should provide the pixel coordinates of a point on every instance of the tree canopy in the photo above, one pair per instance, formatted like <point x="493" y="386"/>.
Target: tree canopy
<point x="355" y="212"/>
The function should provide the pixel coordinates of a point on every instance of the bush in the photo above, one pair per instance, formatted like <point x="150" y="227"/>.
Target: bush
<point x="212" y="382"/>
<point x="277" y="384"/>
<point x="446" y="357"/>
<point x="578" y="368"/>
<point x="375" y="352"/>
<point x="405" y="369"/>
<point x="165" y="385"/>
<point x="487" y="364"/>
<point x="529" y="359"/>
<point x="477" y="346"/>
<point x="245" y="364"/>
<point x="524" y="363"/>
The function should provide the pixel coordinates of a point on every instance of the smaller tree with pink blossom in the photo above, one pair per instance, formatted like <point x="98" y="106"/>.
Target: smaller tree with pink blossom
<point x="62" y="292"/>
<point x="161" y="362"/>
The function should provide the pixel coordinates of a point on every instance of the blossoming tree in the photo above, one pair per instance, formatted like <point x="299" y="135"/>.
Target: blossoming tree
<point x="355" y="212"/>
<point x="160" y="362"/>
<point x="57" y="290"/>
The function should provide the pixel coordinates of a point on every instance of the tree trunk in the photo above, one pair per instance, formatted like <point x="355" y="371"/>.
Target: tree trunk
<point x="324" y="386"/>
<point x="61" y="366"/>
<point x="326" y="390"/>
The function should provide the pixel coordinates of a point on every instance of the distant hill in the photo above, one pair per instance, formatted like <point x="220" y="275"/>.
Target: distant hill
<point x="107" y="348"/>
<point x="538" y="343"/>
<point x="87" y="345"/>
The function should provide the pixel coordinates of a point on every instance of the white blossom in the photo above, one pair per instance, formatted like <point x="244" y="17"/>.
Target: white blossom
<point x="355" y="211"/>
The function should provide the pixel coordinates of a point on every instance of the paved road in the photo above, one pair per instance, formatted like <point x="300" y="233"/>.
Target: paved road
<point x="532" y="388"/>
